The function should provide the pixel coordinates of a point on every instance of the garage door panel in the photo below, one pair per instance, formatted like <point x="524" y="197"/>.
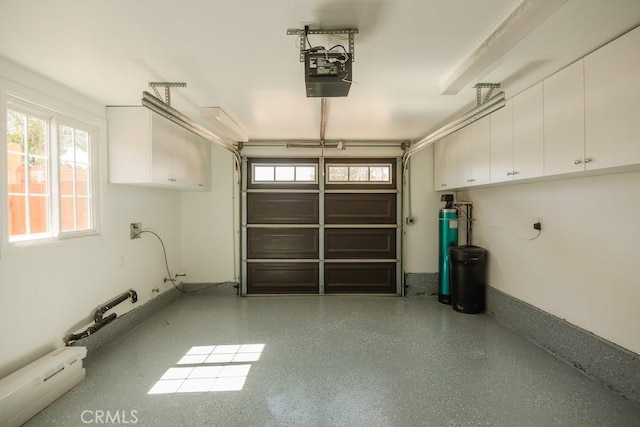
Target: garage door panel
<point x="282" y="208"/>
<point x="362" y="243"/>
<point x="360" y="208"/>
<point x="283" y="278"/>
<point x="282" y="243"/>
<point x="360" y="278"/>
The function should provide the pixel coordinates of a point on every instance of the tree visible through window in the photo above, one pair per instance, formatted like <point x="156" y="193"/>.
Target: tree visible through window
<point x="75" y="179"/>
<point x="28" y="184"/>
<point x="48" y="176"/>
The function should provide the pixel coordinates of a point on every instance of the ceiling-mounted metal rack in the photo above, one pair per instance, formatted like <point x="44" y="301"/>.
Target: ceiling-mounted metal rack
<point x="167" y="89"/>
<point x="478" y="87"/>
<point x="163" y="108"/>
<point x="302" y="33"/>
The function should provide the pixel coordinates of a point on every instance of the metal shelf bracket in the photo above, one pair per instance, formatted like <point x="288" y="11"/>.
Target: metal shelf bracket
<point x="167" y="89"/>
<point x="348" y="31"/>
<point x="480" y="86"/>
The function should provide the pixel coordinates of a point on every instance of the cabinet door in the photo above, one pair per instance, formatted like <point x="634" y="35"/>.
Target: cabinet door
<point x="445" y="164"/>
<point x="198" y="163"/>
<point x="502" y="144"/>
<point x="564" y="121"/>
<point x="161" y="135"/>
<point x="481" y="151"/>
<point x="528" y="133"/>
<point x="464" y="159"/>
<point x="179" y="164"/>
<point x="612" y="103"/>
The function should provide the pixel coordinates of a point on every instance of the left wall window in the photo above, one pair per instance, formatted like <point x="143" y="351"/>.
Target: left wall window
<point x="49" y="174"/>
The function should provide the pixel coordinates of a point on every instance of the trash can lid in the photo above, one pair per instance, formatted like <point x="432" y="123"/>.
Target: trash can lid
<point x="468" y="249"/>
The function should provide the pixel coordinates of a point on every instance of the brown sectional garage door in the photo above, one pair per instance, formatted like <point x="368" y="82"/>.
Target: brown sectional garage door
<point x="333" y="232"/>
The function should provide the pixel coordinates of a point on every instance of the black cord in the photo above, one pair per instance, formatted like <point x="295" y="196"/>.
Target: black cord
<point x="339" y="45"/>
<point x="306" y="36"/>
<point x="166" y="263"/>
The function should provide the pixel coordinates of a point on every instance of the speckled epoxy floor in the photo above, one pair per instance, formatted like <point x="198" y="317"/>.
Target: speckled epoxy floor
<point x="339" y="361"/>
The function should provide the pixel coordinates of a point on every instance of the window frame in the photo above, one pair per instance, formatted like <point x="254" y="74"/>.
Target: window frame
<point x="349" y="181"/>
<point x="281" y="162"/>
<point x="27" y="102"/>
<point x="283" y="165"/>
<point x="360" y="162"/>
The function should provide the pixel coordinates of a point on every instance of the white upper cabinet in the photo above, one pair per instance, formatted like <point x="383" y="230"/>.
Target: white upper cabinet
<point x="445" y="163"/>
<point x="464" y="156"/>
<point x="612" y="103"/>
<point x="528" y="133"/>
<point x="147" y="149"/>
<point x="198" y="158"/>
<point x="501" y="131"/>
<point x="481" y="151"/>
<point x="474" y="153"/>
<point x="564" y="143"/>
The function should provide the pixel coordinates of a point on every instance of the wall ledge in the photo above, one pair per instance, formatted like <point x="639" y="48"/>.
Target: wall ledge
<point x="616" y="368"/>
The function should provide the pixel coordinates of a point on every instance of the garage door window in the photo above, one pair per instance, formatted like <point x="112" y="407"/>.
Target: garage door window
<point x="358" y="173"/>
<point x="283" y="173"/>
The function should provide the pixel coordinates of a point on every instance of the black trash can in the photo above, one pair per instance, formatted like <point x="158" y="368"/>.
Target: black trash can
<point x="468" y="264"/>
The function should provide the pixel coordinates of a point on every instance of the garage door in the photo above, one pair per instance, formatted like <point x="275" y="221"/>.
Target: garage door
<point x="321" y="226"/>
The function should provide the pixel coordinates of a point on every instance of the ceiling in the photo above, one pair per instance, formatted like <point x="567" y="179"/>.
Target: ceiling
<point x="237" y="55"/>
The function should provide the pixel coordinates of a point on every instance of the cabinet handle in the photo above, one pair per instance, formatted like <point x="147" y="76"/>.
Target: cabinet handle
<point x="200" y="185"/>
<point x="471" y="180"/>
<point x="516" y="173"/>
<point x="172" y="180"/>
<point x="509" y="173"/>
<point x="577" y="161"/>
<point x="588" y="160"/>
<point x="443" y="185"/>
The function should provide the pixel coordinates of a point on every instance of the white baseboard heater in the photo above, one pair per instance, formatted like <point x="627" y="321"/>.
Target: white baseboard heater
<point x="29" y="390"/>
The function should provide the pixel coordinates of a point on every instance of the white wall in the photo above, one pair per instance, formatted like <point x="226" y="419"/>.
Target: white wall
<point x="210" y="225"/>
<point x="584" y="266"/>
<point x="49" y="290"/>
<point x="421" y="238"/>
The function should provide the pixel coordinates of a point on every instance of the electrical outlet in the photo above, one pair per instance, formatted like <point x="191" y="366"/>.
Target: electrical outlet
<point x="134" y="230"/>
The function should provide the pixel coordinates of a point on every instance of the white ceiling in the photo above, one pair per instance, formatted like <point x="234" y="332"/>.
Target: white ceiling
<point x="237" y="55"/>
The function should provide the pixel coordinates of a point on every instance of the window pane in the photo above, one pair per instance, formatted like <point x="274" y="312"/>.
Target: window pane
<point x="16" y="125"/>
<point x="37" y="131"/>
<point x="338" y="173"/>
<point x="66" y="180"/>
<point x="306" y="173"/>
<point x="379" y="173"/>
<point x="83" y="213"/>
<point x="358" y="173"/>
<point x="32" y="178"/>
<point x="17" y="215"/>
<point x="82" y="148"/>
<point x="83" y="187"/>
<point x="67" y="214"/>
<point x="285" y="173"/>
<point x="16" y="172"/>
<point x="263" y="173"/>
<point x="38" y="214"/>
<point x="38" y="176"/>
<point x="74" y="179"/>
